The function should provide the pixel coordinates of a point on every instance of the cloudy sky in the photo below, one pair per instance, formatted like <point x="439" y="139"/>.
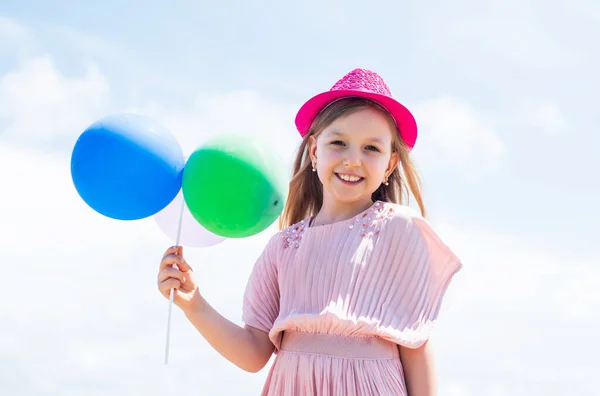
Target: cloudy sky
<point x="505" y="93"/>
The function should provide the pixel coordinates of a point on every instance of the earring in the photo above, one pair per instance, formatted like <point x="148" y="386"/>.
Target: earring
<point x="314" y="170"/>
<point x="386" y="182"/>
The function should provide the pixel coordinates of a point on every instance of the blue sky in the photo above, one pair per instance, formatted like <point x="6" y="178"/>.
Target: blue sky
<point x="505" y="95"/>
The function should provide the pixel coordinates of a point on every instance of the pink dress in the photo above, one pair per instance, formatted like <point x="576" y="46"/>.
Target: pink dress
<point x="337" y="301"/>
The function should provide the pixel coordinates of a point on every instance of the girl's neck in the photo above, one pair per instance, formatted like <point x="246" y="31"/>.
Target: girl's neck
<point x="335" y="211"/>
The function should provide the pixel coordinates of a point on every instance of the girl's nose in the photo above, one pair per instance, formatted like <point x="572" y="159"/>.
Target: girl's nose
<point x="352" y="160"/>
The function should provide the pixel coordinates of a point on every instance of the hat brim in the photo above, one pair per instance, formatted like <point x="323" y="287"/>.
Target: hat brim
<point x="405" y="121"/>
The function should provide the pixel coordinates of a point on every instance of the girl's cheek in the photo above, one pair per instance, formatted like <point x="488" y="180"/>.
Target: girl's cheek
<point x="330" y="155"/>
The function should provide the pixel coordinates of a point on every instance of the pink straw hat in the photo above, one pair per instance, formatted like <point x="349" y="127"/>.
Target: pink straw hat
<point x="365" y="84"/>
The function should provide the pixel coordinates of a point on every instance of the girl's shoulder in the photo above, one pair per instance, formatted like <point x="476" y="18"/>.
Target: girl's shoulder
<point x="399" y="219"/>
<point x="396" y="215"/>
<point x="405" y="226"/>
<point x="401" y="212"/>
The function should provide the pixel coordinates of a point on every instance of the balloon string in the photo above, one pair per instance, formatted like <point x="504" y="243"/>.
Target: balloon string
<point x="172" y="292"/>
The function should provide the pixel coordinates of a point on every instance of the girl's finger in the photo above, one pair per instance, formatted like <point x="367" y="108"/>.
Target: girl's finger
<point x="172" y="250"/>
<point x="169" y="261"/>
<point x="166" y="286"/>
<point x="170" y="272"/>
<point x="183" y="265"/>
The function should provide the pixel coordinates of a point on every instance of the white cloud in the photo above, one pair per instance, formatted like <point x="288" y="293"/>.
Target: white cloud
<point x="240" y="112"/>
<point x="12" y="32"/>
<point x="453" y="134"/>
<point x="510" y="269"/>
<point x="90" y="45"/>
<point x="543" y="115"/>
<point x="579" y="297"/>
<point x="508" y="30"/>
<point x="501" y="387"/>
<point x="40" y="106"/>
<point x="453" y="389"/>
<point x="587" y="9"/>
<point x="512" y="304"/>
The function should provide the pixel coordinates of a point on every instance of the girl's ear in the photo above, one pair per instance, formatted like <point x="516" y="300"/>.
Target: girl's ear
<point x="393" y="164"/>
<point x="312" y="149"/>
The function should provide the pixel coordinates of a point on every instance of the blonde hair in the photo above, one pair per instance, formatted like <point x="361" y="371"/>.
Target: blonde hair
<point x="305" y="196"/>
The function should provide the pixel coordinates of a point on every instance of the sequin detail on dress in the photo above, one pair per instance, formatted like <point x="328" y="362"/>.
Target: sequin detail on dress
<point x="367" y="222"/>
<point x="371" y="219"/>
<point x="293" y="235"/>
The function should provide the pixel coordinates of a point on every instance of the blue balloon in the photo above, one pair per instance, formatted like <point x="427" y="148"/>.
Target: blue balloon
<point x="127" y="166"/>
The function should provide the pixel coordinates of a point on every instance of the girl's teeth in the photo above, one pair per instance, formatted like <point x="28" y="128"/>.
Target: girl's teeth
<point x="349" y="178"/>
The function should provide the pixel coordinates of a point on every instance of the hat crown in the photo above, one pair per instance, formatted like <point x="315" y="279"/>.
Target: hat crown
<point x="362" y="80"/>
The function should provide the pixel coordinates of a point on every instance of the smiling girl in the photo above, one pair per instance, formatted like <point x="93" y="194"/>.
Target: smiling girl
<point x="347" y="293"/>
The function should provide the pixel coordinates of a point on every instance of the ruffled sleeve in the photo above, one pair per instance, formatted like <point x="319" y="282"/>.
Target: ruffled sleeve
<point x="424" y="267"/>
<point x="261" y="297"/>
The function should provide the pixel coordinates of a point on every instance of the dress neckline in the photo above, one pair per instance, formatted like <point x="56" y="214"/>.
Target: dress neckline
<point x="367" y="223"/>
<point x="359" y="215"/>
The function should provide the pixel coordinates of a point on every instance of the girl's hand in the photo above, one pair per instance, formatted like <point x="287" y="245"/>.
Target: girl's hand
<point x="175" y="273"/>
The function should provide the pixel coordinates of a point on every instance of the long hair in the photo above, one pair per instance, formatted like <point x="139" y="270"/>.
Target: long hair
<point x="305" y="196"/>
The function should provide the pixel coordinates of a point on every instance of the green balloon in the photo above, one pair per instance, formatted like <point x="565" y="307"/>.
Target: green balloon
<point x="233" y="186"/>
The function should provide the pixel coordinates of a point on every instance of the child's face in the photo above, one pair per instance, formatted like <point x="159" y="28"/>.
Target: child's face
<point x="354" y="155"/>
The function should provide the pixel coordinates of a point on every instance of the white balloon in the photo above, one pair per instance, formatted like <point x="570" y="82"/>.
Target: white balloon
<point x="192" y="232"/>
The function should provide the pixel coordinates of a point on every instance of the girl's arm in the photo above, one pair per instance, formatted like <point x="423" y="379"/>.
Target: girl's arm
<point x="246" y="347"/>
<point x="419" y="370"/>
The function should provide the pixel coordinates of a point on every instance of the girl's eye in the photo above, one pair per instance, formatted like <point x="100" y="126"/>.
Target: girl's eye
<point x="337" y="142"/>
<point x="372" y="148"/>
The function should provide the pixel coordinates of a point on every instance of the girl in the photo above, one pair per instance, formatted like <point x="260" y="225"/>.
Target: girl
<point x="346" y="294"/>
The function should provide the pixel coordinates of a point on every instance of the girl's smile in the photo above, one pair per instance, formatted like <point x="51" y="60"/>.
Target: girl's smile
<point x="350" y="179"/>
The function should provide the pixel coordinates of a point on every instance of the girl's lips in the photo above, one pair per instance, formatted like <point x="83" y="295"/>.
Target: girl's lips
<point x="350" y="183"/>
